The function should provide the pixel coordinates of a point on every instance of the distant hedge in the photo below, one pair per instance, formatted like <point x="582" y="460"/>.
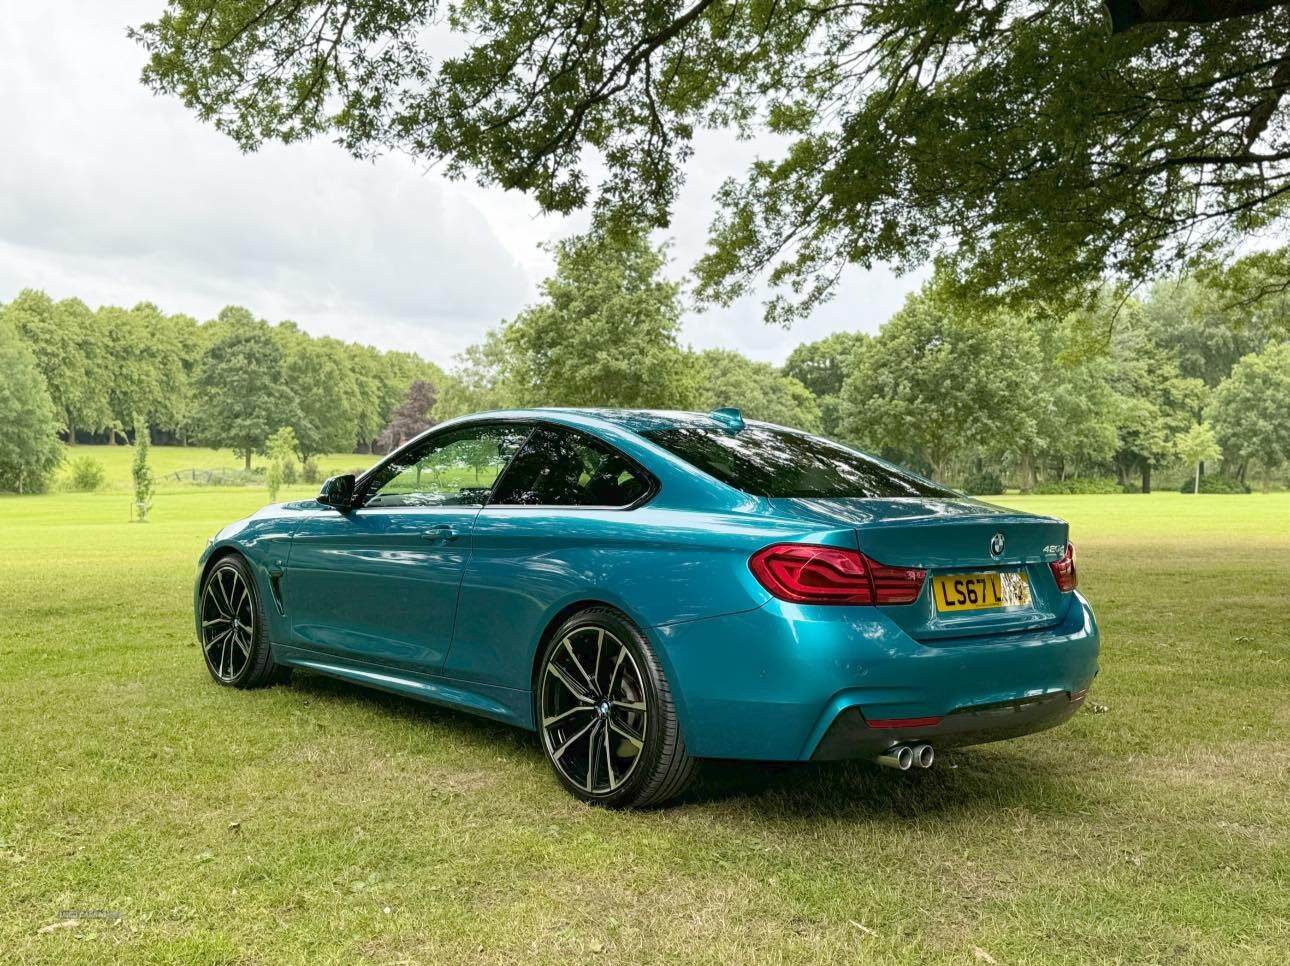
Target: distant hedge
<point x="1215" y="484"/>
<point x="1080" y="484"/>
<point x="983" y="484"/>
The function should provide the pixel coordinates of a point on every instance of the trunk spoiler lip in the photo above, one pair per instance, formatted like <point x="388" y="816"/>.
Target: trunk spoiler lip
<point x="877" y="512"/>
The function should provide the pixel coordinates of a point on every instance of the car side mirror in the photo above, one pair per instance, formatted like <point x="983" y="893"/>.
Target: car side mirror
<point x="338" y="492"/>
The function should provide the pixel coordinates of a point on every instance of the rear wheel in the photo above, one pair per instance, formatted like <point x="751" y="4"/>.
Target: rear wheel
<point x="606" y="716"/>
<point x="233" y="628"/>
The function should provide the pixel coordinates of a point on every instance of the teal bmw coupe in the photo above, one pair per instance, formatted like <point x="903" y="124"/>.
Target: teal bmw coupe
<point x="644" y="589"/>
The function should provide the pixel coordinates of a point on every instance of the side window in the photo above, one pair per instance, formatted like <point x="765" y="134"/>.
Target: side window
<point x="559" y="467"/>
<point x="457" y="469"/>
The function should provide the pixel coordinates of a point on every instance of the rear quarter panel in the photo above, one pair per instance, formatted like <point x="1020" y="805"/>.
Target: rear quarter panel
<point x="659" y="566"/>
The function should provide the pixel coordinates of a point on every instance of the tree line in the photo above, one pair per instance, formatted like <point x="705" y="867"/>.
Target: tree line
<point x="229" y="382"/>
<point x="966" y="393"/>
<point x="1190" y="371"/>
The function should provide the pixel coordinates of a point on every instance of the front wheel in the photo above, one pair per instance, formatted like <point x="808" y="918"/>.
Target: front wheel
<point x="233" y="629"/>
<point x="606" y="716"/>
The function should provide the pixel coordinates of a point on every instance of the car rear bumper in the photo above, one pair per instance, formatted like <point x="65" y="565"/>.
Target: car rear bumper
<point x="849" y="735"/>
<point x="788" y="682"/>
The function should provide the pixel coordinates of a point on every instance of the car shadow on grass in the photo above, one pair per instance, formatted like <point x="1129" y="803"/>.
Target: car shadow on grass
<point x="962" y="780"/>
<point x="473" y="731"/>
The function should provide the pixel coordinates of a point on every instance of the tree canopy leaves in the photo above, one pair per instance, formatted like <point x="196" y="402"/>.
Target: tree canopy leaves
<point x="244" y="398"/>
<point x="1022" y="144"/>
<point x="29" y="447"/>
<point x="604" y="332"/>
<point x="1251" y="410"/>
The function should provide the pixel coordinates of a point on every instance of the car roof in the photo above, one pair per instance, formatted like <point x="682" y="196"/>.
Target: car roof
<point x="632" y="420"/>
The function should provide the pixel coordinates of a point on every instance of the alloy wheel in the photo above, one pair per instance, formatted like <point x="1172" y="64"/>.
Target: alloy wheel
<point x="228" y="623"/>
<point x="594" y="716"/>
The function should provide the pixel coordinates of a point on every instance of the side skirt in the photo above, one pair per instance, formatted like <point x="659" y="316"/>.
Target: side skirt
<point x="501" y="704"/>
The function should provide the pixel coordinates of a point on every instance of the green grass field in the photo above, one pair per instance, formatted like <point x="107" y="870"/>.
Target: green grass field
<point x="318" y="822"/>
<point x="167" y="460"/>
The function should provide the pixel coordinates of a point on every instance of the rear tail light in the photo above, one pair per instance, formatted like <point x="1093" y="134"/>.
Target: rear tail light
<point x="1064" y="571"/>
<point x="807" y="574"/>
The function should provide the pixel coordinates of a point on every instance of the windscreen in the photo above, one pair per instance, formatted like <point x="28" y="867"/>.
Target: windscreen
<point x="773" y="462"/>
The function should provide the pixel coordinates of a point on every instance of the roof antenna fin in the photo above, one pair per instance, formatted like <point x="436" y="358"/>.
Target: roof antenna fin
<point x="729" y="417"/>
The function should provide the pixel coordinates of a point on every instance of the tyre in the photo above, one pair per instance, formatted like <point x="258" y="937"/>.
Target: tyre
<point x="605" y="714"/>
<point x="233" y="628"/>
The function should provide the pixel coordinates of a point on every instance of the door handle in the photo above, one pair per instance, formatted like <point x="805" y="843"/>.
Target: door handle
<point x="442" y="532"/>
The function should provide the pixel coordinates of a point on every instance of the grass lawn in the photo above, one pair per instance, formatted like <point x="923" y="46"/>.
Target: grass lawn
<point x="319" y="822"/>
<point x="167" y="460"/>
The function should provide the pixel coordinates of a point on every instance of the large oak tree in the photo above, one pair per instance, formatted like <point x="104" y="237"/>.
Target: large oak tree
<point x="1033" y="146"/>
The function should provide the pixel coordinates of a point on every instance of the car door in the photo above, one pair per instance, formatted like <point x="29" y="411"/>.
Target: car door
<point x="379" y="583"/>
<point x="551" y="526"/>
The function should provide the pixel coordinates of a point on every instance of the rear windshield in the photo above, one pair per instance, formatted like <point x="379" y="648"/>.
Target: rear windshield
<point x="773" y="462"/>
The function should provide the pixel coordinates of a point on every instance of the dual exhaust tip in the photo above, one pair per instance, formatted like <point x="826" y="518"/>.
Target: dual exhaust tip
<point x="905" y="757"/>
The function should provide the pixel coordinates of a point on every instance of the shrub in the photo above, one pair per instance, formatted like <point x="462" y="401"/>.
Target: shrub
<point x="983" y="483"/>
<point x="86" y="474"/>
<point x="282" y="460"/>
<point x="1080" y="485"/>
<point x="1215" y="484"/>
<point x="141" y="472"/>
<point x="309" y="471"/>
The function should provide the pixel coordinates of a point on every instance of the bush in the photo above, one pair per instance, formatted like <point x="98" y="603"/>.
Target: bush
<point x="1080" y="485"/>
<point x="1215" y="484"/>
<point x="983" y="483"/>
<point x="86" y="474"/>
<point x="141" y="472"/>
<point x="309" y="471"/>
<point x="290" y="473"/>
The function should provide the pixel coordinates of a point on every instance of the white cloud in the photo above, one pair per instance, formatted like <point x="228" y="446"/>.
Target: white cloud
<point x="113" y="195"/>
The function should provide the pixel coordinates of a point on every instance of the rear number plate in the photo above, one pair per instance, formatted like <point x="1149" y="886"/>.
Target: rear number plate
<point x="1008" y="588"/>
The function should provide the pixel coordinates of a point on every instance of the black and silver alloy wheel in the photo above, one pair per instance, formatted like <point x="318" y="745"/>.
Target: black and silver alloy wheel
<point x="594" y="717"/>
<point x="605" y="713"/>
<point x="233" y="642"/>
<point x="228" y="623"/>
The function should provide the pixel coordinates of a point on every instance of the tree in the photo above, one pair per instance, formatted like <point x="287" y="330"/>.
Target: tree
<point x="66" y="344"/>
<point x="412" y="417"/>
<point x="1250" y="412"/>
<point x="191" y="341"/>
<point x="282" y="447"/>
<point x="479" y="381"/>
<point x="140" y="472"/>
<point x="822" y="367"/>
<point x="318" y="376"/>
<point x="1075" y="415"/>
<point x="1124" y="151"/>
<point x="394" y="374"/>
<point x="936" y="382"/>
<point x="1203" y="328"/>
<point x="368" y="369"/>
<point x="144" y="367"/>
<point x="1159" y="403"/>
<point x="29" y="446"/>
<point x="241" y="395"/>
<point x="730" y="379"/>
<point x="1196" y="446"/>
<point x="604" y="334"/>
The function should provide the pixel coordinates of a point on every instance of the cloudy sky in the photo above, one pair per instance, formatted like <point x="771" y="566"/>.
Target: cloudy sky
<point x="113" y="195"/>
